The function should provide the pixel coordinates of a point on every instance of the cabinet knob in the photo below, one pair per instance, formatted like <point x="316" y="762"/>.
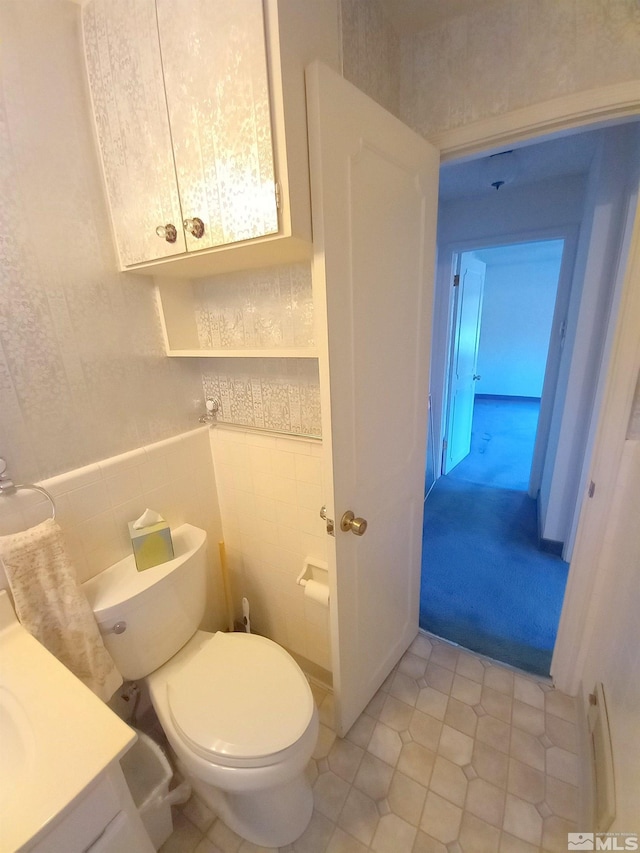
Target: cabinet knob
<point x="194" y="226"/>
<point x="168" y="232"/>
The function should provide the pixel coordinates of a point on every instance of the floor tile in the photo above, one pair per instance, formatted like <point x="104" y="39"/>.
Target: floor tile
<point x="528" y="691"/>
<point x="396" y="714"/>
<point x="490" y="764"/>
<point x="417" y="762"/>
<point x="471" y="667"/>
<point x="523" y="820"/>
<point x="342" y="842"/>
<point x="449" y="781"/>
<point x="527" y="718"/>
<point x="561" y="705"/>
<point x="360" y="816"/>
<point x="412" y="665"/>
<point x="455" y="746"/>
<point x="526" y="782"/>
<point x="329" y="794"/>
<point x="393" y="834"/>
<point x="432" y="702"/>
<point x="374" y="777"/>
<point x="344" y="759"/>
<point x="477" y="836"/>
<point x="425" y="729"/>
<point x="426" y="844"/>
<point x="485" y="801"/>
<point x="385" y="744"/>
<point x="466" y="690"/>
<point x="439" y="677"/>
<point x="461" y="717"/>
<point x="406" y="798"/>
<point x="500" y="679"/>
<point x="441" y="819"/>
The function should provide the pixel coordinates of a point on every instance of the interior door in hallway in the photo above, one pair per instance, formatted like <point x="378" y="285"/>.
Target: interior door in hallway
<point x="467" y="316"/>
<point x="374" y="196"/>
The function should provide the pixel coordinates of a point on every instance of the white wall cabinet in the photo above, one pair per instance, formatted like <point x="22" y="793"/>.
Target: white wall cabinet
<point x="200" y="116"/>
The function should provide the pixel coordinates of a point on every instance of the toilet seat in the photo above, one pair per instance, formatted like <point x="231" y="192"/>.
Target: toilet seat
<point x="241" y="700"/>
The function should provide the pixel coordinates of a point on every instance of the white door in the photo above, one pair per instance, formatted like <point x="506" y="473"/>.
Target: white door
<point x="467" y="315"/>
<point x="374" y="196"/>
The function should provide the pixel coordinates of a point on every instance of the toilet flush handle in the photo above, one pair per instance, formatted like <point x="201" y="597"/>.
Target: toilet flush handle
<point x="118" y="628"/>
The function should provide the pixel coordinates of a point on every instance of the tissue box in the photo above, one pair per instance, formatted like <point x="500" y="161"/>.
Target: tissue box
<point x="151" y="545"/>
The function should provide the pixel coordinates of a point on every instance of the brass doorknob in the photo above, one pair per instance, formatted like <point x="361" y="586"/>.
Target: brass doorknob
<point x="349" y="522"/>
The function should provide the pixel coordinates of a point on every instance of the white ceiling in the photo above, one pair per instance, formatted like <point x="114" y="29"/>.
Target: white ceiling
<point x="570" y="155"/>
<point x="409" y="16"/>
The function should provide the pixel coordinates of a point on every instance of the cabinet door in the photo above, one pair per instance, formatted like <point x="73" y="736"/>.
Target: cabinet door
<point x="125" y="77"/>
<point x="216" y="82"/>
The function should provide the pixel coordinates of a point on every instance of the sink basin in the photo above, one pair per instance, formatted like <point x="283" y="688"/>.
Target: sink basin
<point x="17" y="747"/>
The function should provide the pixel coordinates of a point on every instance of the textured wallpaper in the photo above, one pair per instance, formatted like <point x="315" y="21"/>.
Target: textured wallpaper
<point x="281" y="394"/>
<point x="83" y="374"/>
<point x="268" y="308"/>
<point x="509" y="55"/>
<point x="371" y="52"/>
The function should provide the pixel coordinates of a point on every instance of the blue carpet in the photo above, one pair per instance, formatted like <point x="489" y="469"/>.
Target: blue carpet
<point x="485" y="584"/>
<point x="502" y="440"/>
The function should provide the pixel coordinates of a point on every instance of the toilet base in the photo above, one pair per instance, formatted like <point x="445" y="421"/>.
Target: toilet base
<point x="271" y="818"/>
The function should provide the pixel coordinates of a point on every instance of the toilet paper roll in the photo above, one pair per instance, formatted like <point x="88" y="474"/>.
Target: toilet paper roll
<point x="318" y="592"/>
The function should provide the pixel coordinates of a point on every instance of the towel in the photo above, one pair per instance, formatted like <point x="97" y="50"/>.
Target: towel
<point x="51" y="606"/>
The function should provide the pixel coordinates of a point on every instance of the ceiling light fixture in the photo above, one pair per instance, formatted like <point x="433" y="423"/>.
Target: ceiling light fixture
<point x="501" y="168"/>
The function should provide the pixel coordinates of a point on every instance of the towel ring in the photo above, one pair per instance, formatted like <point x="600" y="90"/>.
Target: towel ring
<point x="9" y="491"/>
<point x="8" y="487"/>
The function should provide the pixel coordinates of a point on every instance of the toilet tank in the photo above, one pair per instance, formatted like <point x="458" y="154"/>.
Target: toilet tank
<point x="146" y="617"/>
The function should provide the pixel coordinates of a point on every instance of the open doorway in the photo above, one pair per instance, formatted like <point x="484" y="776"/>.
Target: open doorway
<point x="480" y="520"/>
<point x="582" y="195"/>
<point x="502" y="320"/>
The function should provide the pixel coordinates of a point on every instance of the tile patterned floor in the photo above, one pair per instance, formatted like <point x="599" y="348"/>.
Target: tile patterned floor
<point x="454" y="754"/>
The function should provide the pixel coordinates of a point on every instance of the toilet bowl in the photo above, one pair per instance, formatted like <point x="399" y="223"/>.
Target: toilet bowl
<point x="236" y="708"/>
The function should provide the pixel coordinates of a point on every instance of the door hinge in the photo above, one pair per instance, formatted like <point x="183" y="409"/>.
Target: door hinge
<point x="592" y="489"/>
<point x="456" y="280"/>
<point x="278" y="196"/>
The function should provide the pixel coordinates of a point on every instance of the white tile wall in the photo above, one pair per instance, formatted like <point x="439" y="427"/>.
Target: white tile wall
<point x="270" y="493"/>
<point x="95" y="503"/>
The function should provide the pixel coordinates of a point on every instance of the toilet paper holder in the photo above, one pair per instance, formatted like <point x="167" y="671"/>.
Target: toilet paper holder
<point x="314" y="570"/>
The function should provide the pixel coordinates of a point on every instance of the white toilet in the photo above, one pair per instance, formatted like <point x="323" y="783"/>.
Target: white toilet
<point x="236" y="708"/>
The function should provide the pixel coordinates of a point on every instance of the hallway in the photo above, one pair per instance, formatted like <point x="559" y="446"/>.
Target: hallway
<point x="485" y="583"/>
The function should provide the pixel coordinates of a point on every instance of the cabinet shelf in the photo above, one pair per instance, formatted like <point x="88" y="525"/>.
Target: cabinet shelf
<point x="271" y="352"/>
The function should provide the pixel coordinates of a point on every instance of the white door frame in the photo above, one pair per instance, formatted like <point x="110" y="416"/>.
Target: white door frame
<point x="593" y="108"/>
<point x="443" y="316"/>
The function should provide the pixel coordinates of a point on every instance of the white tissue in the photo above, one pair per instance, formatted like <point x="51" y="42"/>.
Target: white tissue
<point x="147" y="518"/>
<point x="317" y="592"/>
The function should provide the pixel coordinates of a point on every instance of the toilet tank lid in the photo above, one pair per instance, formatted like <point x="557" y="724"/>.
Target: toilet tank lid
<point x="118" y="587"/>
<point x="241" y="696"/>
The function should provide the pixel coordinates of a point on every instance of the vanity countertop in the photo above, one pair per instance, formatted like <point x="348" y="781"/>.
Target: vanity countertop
<point x="56" y="736"/>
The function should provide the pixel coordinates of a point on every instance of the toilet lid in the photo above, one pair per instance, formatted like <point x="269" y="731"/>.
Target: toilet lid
<point x="241" y="696"/>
